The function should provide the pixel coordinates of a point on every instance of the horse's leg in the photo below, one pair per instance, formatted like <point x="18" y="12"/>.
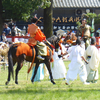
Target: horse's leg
<point x="49" y="69"/>
<point x="17" y="70"/>
<point x="8" y="80"/>
<point x="35" y="71"/>
<point x="19" y="66"/>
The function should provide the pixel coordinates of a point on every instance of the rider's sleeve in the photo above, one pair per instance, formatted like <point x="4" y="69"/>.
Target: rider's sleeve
<point x="40" y="36"/>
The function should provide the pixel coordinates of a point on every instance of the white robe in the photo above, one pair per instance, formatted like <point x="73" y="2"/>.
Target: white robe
<point x="77" y="65"/>
<point x="58" y="68"/>
<point x="95" y="58"/>
<point x="93" y="61"/>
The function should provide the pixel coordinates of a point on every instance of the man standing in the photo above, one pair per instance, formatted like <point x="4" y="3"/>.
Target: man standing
<point x="36" y="38"/>
<point x="93" y="59"/>
<point x="77" y="66"/>
<point x="15" y="30"/>
<point x="84" y="32"/>
<point x="7" y="29"/>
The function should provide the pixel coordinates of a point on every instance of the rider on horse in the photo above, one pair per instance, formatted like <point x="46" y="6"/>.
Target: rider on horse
<point x="84" y="32"/>
<point x="36" y="38"/>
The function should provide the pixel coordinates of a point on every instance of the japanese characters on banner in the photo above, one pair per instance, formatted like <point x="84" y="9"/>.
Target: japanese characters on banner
<point x="63" y="19"/>
<point x="65" y="23"/>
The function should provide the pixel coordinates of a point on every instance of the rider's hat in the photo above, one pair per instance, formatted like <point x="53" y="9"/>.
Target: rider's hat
<point x="34" y="19"/>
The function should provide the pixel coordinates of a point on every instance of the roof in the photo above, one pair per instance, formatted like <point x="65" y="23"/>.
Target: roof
<point x="76" y="3"/>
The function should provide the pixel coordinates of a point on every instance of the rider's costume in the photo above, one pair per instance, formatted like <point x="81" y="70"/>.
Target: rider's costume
<point x="36" y="38"/>
<point x="84" y="32"/>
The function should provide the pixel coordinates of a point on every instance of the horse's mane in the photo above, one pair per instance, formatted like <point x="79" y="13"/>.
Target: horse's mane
<point x="52" y="40"/>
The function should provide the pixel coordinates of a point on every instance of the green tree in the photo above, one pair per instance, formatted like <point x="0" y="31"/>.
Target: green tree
<point x="20" y="9"/>
<point x="97" y="19"/>
<point x="89" y="17"/>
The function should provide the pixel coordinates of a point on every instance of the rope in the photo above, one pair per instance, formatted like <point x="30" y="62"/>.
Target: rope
<point x="32" y="62"/>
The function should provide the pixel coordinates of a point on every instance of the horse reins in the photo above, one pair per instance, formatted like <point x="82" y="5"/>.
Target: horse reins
<point x="50" y="44"/>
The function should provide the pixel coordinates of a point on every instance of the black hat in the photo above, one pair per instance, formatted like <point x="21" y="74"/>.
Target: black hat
<point x="78" y="41"/>
<point x="34" y="19"/>
<point x="93" y="40"/>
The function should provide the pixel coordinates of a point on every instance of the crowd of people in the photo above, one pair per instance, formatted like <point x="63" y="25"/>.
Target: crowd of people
<point x="84" y="60"/>
<point x="7" y="31"/>
<point x="87" y="70"/>
<point x="84" y="63"/>
<point x="82" y="53"/>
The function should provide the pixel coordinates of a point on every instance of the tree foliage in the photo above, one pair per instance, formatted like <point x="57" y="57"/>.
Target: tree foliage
<point x="97" y="19"/>
<point x="22" y="9"/>
<point x="90" y="17"/>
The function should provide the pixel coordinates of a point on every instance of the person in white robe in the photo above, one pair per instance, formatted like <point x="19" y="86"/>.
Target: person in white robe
<point x="58" y="68"/>
<point x="93" y="58"/>
<point x="40" y="73"/>
<point x="77" y="66"/>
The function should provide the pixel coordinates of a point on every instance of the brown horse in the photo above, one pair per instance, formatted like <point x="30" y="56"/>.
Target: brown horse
<point x="13" y="58"/>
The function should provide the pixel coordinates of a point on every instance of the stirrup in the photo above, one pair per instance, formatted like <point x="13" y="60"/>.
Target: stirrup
<point x="39" y="57"/>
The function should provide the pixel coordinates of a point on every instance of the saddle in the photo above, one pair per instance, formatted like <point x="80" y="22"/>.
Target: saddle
<point x="23" y="48"/>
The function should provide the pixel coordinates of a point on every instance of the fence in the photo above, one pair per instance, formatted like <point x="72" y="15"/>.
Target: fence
<point x="17" y="39"/>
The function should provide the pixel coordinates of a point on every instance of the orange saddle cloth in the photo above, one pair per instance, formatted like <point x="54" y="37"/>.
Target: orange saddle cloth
<point x="24" y="48"/>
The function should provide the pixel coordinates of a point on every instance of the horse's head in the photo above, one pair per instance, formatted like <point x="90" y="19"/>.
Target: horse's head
<point x="58" y="42"/>
<point x="54" y="40"/>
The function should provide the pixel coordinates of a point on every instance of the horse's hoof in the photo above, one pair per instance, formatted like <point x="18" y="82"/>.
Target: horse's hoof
<point x="16" y="82"/>
<point x="32" y="81"/>
<point x="6" y="83"/>
<point x="53" y="82"/>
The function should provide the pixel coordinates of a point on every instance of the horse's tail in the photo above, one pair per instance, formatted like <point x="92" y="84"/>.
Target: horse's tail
<point x="10" y="61"/>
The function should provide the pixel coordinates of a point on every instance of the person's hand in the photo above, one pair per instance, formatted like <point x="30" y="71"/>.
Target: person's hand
<point x="61" y="53"/>
<point x="63" y="57"/>
<point x="86" y="62"/>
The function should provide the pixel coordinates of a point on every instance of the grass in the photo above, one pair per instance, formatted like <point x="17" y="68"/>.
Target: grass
<point x="45" y="90"/>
